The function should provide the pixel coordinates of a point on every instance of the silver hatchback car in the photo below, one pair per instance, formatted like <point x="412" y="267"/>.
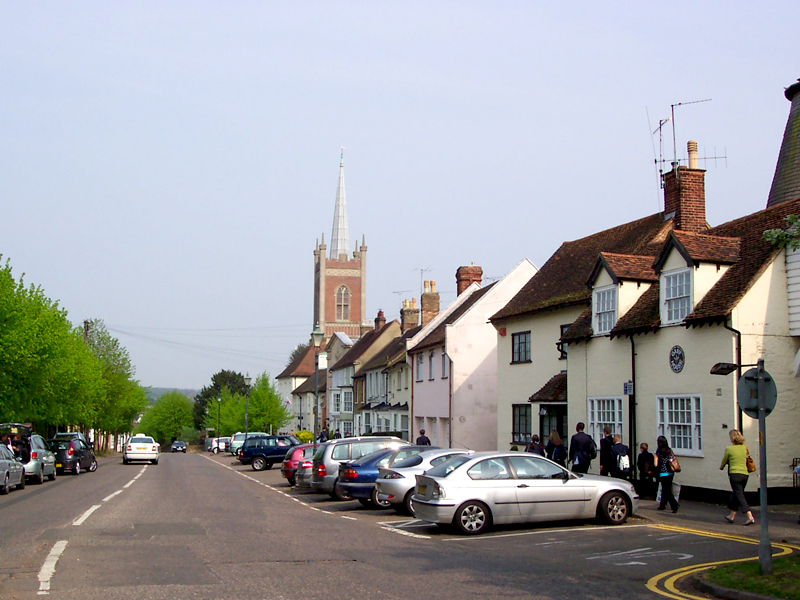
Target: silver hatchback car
<point x="472" y="492"/>
<point x="37" y="458"/>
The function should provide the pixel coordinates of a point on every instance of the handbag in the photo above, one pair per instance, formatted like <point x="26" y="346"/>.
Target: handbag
<point x="673" y="464"/>
<point x="751" y="464"/>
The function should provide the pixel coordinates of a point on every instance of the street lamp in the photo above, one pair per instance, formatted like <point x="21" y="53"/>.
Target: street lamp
<point x="219" y="404"/>
<point x="316" y="339"/>
<point x="247" y="381"/>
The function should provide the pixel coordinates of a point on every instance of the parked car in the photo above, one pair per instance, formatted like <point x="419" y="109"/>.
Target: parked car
<point x="292" y="459"/>
<point x="474" y="491"/>
<point x="37" y="459"/>
<point x="178" y="446"/>
<point x="73" y="455"/>
<point x="237" y="439"/>
<point x="140" y="447"/>
<point x="396" y="484"/>
<point x="63" y="435"/>
<point x="305" y="469"/>
<point x="12" y="473"/>
<point x="357" y="478"/>
<point x="263" y="451"/>
<point x="325" y="474"/>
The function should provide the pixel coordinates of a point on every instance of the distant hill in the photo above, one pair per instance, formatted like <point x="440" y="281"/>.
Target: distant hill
<point x="155" y="393"/>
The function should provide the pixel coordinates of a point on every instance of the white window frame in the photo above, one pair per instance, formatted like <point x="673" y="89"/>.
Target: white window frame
<point x="420" y="366"/>
<point x="679" y="418"/>
<point x="675" y="308"/>
<point x="367" y="422"/>
<point x="431" y="356"/>
<point x="347" y="428"/>
<point x="337" y="401"/>
<point x="445" y="365"/>
<point x="602" y="411"/>
<point x="347" y="400"/>
<point x="604" y="309"/>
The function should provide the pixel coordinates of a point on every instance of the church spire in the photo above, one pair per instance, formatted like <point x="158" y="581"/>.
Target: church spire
<point x="339" y="237"/>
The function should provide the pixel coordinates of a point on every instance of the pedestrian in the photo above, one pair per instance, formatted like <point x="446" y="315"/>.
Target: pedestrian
<point x="323" y="436"/>
<point x="736" y="458"/>
<point x="555" y="449"/>
<point x="621" y="460"/>
<point x="645" y="463"/>
<point x="423" y="440"/>
<point x="337" y="435"/>
<point x="666" y="466"/>
<point x="534" y="447"/>
<point x="582" y="450"/>
<point x="606" y="460"/>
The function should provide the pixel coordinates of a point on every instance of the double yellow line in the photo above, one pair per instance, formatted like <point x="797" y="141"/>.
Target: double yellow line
<point x="664" y="583"/>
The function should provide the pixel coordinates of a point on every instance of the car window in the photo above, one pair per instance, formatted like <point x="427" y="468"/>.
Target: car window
<point x="411" y="461"/>
<point x="363" y="448"/>
<point x="528" y="467"/>
<point x="4" y="453"/>
<point x="308" y="452"/>
<point x="403" y="454"/>
<point x="491" y="468"/>
<point x="384" y="461"/>
<point x="441" y="459"/>
<point x="444" y="469"/>
<point x="341" y="452"/>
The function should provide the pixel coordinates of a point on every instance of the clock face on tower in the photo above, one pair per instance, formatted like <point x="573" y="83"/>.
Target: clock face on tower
<point x="677" y="359"/>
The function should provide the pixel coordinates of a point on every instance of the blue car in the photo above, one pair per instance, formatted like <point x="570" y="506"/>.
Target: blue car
<point x="357" y="478"/>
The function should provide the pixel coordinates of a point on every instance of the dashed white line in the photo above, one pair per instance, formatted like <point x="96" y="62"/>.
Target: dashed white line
<point x="84" y="516"/>
<point x="406" y="533"/>
<point x="49" y="567"/>
<point x="348" y="518"/>
<point x="109" y="497"/>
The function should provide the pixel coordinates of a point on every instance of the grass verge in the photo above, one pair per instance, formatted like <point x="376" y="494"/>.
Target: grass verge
<point x="783" y="583"/>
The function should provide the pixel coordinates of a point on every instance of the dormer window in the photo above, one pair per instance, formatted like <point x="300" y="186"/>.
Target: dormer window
<point x="676" y="296"/>
<point x="604" y="308"/>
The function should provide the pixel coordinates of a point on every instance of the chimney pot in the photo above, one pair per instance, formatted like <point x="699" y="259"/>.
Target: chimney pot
<point x="466" y="276"/>
<point x="692" y="148"/>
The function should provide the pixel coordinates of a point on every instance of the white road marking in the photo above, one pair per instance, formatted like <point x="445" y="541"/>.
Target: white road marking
<point x="107" y="498"/>
<point x="129" y="484"/>
<point x="348" y="518"/>
<point x="640" y="553"/>
<point x="407" y="533"/>
<point x="49" y="567"/>
<point x="84" y="516"/>
<point x="539" y="532"/>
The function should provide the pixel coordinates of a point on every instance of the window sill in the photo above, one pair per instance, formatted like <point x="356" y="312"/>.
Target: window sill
<point x="520" y="362"/>
<point x="688" y="453"/>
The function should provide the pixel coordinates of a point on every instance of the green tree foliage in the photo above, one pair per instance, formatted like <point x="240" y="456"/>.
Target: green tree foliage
<point x="300" y="349"/>
<point x="202" y="402"/>
<point x="786" y="238"/>
<point x="304" y="436"/>
<point x="167" y="418"/>
<point x="265" y="408"/>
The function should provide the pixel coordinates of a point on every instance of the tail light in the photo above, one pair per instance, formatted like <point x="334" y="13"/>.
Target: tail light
<point x="128" y="449"/>
<point x="321" y="470"/>
<point x="393" y="475"/>
<point x="71" y="451"/>
<point x="155" y="448"/>
<point x="307" y="464"/>
<point x="349" y="474"/>
<point x="34" y="455"/>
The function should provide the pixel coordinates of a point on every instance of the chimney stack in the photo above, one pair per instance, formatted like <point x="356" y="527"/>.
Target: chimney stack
<point x="466" y="276"/>
<point x="786" y="181"/>
<point x="380" y="320"/>
<point x="685" y="195"/>
<point x="409" y="315"/>
<point x="430" y="302"/>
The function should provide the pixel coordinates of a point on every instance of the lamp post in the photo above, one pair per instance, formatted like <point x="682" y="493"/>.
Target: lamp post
<point x="247" y="381"/>
<point x="219" y="404"/>
<point x="316" y="339"/>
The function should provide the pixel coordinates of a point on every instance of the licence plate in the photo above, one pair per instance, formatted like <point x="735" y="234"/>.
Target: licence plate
<point x="421" y="489"/>
<point x="141" y="448"/>
<point x="58" y="465"/>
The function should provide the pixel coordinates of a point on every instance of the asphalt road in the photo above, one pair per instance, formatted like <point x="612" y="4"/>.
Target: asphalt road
<point x="203" y="526"/>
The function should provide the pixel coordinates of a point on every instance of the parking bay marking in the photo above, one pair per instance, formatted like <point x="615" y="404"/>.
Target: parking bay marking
<point x="49" y="567"/>
<point x="79" y="521"/>
<point x="640" y="553"/>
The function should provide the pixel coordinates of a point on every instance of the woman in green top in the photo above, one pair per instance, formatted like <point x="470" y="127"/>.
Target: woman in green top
<point x="736" y="459"/>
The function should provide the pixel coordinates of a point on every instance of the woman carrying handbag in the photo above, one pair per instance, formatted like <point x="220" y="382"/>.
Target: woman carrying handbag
<point x="737" y="457"/>
<point x="666" y="467"/>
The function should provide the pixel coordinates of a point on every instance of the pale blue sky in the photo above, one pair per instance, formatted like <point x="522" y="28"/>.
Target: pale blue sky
<point x="168" y="166"/>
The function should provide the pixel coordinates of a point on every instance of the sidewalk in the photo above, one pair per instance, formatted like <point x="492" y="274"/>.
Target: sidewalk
<point x="783" y="526"/>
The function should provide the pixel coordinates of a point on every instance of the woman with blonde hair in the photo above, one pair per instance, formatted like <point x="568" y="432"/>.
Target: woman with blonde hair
<point x="736" y="458"/>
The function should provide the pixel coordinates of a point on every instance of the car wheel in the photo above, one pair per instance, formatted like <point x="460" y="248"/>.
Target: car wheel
<point x="292" y="481"/>
<point x="338" y="492"/>
<point x="21" y="484"/>
<point x="155" y="462"/>
<point x="365" y="502"/>
<point x="52" y="476"/>
<point x="408" y="504"/>
<point x="614" y="508"/>
<point x="77" y="469"/>
<point x="124" y="461"/>
<point x="39" y="479"/>
<point x="215" y="450"/>
<point x="472" y="518"/>
<point x="259" y="463"/>
<point x="93" y="466"/>
<point x="4" y="487"/>
<point x="377" y="502"/>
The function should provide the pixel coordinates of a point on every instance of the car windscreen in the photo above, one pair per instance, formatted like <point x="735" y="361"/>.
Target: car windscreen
<point x="411" y="461"/>
<point x="370" y="458"/>
<point x="141" y="440"/>
<point x="448" y="466"/>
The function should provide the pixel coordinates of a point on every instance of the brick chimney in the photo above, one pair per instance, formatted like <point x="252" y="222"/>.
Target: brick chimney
<point x="409" y="315"/>
<point x="430" y="302"/>
<point x="380" y="320"/>
<point x="685" y="195"/>
<point x="466" y="276"/>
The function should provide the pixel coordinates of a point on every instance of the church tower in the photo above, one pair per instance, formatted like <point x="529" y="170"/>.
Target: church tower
<point x="340" y="282"/>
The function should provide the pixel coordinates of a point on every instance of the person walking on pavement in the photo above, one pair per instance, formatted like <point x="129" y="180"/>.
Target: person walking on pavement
<point x="735" y="458"/>
<point x="423" y="440"/>
<point x="534" y="447"/>
<point x="582" y="450"/>
<point x="621" y="468"/>
<point x="665" y="463"/>
<point x="555" y="449"/>
<point x="645" y="462"/>
<point x="606" y="460"/>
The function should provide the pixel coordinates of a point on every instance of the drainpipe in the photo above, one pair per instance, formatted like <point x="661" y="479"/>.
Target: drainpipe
<point x="738" y="335"/>
<point x="632" y="409"/>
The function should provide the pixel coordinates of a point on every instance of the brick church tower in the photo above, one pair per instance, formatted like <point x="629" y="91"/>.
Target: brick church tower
<point x="340" y="282"/>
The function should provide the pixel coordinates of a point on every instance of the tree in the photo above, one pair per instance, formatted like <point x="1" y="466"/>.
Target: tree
<point x="300" y="349"/>
<point x="167" y="418"/>
<point x="224" y="379"/>
<point x="786" y="238"/>
<point x="267" y="410"/>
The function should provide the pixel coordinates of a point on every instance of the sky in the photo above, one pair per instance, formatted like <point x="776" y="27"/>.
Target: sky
<point x="168" y="167"/>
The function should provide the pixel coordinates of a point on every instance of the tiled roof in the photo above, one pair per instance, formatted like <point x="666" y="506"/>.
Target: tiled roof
<point x="364" y="342"/>
<point x="581" y="328"/>
<point x="561" y="282"/>
<point x="301" y="366"/>
<point x="786" y="181"/>
<point x="700" y="247"/>
<point x="553" y="390"/>
<point x="308" y="384"/>
<point x="626" y="267"/>
<point x="437" y="336"/>
<point x="755" y="254"/>
<point x="385" y="355"/>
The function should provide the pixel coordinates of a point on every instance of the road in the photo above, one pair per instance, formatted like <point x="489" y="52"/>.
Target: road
<point x="203" y="526"/>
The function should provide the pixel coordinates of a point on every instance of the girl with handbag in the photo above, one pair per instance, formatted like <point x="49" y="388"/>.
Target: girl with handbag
<point x="736" y="457"/>
<point x="666" y="466"/>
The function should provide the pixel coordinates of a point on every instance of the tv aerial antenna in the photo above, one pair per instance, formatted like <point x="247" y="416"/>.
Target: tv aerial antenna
<point x="399" y="295"/>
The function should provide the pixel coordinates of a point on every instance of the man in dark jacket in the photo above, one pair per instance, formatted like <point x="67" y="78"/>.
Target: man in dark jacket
<point x="582" y="450"/>
<point x="606" y="460"/>
<point x="621" y="468"/>
<point x="423" y="440"/>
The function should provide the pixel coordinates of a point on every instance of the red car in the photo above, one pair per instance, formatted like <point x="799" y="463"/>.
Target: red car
<point x="293" y="457"/>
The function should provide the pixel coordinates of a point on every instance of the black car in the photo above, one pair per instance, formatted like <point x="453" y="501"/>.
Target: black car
<point x="266" y="450"/>
<point x="179" y="446"/>
<point x="73" y="454"/>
